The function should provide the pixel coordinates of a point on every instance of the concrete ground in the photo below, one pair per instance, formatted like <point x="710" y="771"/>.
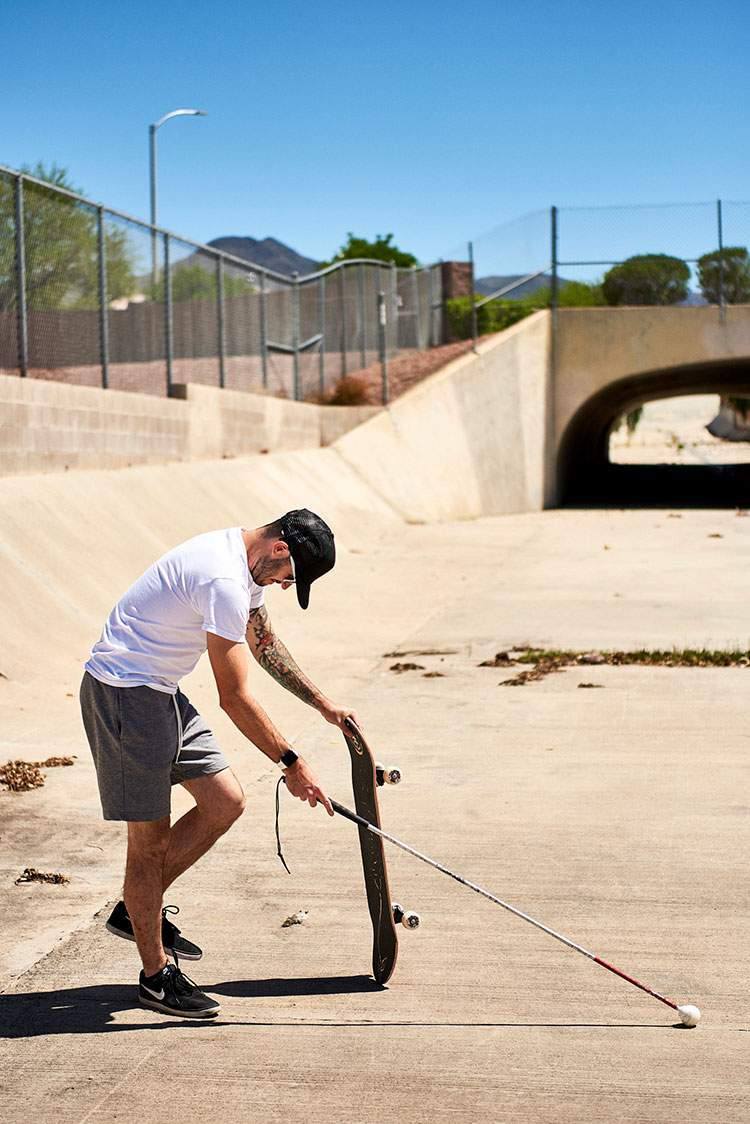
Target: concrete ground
<point x="673" y="431"/>
<point x="618" y="816"/>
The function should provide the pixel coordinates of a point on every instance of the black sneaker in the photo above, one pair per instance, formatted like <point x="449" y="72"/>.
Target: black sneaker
<point x="120" y="924"/>
<point x="172" y="992"/>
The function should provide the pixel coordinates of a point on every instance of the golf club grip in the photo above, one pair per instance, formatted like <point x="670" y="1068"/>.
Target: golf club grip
<point x="342" y="811"/>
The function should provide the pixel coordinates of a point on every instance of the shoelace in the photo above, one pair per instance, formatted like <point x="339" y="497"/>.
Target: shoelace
<point x="179" y="982"/>
<point x="171" y="909"/>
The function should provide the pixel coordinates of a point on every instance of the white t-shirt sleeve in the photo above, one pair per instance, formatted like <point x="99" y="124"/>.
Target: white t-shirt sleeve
<point x="225" y="605"/>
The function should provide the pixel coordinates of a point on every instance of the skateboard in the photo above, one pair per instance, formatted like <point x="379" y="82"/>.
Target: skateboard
<point x="367" y="775"/>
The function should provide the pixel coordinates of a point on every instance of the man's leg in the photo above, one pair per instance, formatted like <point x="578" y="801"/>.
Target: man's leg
<point x="219" y="801"/>
<point x="148" y="844"/>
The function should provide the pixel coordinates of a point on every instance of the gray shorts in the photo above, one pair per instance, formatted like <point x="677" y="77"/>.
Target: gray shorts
<point x="141" y="749"/>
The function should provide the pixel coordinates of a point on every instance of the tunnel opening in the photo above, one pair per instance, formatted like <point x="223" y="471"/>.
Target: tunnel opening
<point x="595" y="470"/>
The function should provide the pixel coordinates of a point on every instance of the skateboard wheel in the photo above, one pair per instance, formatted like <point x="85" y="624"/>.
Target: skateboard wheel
<point x="407" y="918"/>
<point x="387" y="774"/>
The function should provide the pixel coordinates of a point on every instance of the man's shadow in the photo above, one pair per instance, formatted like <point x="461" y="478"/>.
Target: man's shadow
<point x="86" y="1010"/>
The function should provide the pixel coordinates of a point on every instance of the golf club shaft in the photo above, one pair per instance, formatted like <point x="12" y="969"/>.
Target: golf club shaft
<point x="349" y="815"/>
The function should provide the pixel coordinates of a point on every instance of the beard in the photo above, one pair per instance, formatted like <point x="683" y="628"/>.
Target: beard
<point x="266" y="569"/>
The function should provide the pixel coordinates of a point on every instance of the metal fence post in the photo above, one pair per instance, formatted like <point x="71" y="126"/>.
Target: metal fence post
<point x="473" y="297"/>
<point x="295" y="332"/>
<point x="322" y="330"/>
<point x="23" y="323"/>
<point x="382" y="344"/>
<point x="431" y="299"/>
<point x="722" y="303"/>
<point x="362" y="313"/>
<point x="394" y="307"/>
<point x="168" y="314"/>
<point x="418" y="333"/>
<point x="221" y="323"/>
<point x="103" y="313"/>
<point x="263" y="331"/>
<point x="342" y="312"/>
<point x="553" y="279"/>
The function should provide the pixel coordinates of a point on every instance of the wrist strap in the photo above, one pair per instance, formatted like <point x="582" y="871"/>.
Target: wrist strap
<point x="278" y="837"/>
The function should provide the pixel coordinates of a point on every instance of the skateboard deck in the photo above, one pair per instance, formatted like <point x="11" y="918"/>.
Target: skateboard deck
<point x="384" y="939"/>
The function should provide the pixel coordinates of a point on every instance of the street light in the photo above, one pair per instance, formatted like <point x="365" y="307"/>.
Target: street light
<point x="152" y="153"/>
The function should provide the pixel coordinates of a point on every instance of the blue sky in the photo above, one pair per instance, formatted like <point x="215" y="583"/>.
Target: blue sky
<point x="440" y="122"/>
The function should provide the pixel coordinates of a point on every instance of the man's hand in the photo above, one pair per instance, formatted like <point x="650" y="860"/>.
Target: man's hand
<point x="302" y="783"/>
<point x="338" y="715"/>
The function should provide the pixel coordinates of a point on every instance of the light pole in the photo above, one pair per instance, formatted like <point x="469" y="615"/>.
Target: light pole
<point x="152" y="159"/>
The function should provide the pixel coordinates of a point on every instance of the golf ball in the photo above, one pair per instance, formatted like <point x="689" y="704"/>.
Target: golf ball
<point x="689" y="1015"/>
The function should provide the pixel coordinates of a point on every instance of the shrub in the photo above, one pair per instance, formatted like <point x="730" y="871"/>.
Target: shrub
<point x="500" y="314"/>
<point x="725" y="274"/>
<point x="348" y="391"/>
<point x="647" y="279"/>
<point x="459" y="318"/>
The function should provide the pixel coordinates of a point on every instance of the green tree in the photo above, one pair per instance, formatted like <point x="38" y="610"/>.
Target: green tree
<point x="725" y="274"/>
<point x="61" y="246"/>
<point x="379" y="250"/>
<point x="647" y="279"/>
<point x="193" y="281"/>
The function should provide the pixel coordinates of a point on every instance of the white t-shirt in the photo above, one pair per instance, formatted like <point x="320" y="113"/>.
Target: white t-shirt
<point x="156" y="632"/>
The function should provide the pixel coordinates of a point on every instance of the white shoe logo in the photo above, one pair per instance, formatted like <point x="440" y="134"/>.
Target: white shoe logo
<point x="156" y="994"/>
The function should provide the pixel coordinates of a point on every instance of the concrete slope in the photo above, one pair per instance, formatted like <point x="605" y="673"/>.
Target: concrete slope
<point x="69" y="542"/>
<point x="467" y="442"/>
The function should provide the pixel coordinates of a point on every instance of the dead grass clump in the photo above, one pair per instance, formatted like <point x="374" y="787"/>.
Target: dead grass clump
<point x="348" y="391"/>
<point x="22" y="776"/>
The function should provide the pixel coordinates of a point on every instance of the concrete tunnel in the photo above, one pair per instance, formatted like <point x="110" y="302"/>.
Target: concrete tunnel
<point x="587" y="477"/>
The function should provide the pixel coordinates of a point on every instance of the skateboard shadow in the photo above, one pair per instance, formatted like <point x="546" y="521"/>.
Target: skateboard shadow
<point x="321" y="985"/>
<point x="86" y="1010"/>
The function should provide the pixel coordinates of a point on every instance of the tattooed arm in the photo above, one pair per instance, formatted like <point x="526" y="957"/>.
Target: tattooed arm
<point x="229" y="665"/>
<point x="274" y="658"/>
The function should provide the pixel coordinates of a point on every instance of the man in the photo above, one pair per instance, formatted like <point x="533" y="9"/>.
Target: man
<point x="205" y="595"/>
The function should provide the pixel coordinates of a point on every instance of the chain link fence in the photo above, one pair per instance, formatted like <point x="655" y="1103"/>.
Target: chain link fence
<point x="550" y="248"/>
<point x="94" y="297"/>
<point x="590" y="240"/>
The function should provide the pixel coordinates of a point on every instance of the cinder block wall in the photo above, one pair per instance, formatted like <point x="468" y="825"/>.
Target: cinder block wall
<point x="47" y="426"/>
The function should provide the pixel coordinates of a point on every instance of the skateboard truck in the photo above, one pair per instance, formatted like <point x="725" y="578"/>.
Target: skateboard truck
<point x="387" y="774"/>
<point x="406" y="917"/>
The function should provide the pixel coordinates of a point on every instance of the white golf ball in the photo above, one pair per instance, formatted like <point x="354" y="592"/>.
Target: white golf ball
<point x="689" y="1015"/>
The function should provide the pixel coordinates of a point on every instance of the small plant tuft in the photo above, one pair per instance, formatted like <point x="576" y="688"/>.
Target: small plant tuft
<point x="348" y="391"/>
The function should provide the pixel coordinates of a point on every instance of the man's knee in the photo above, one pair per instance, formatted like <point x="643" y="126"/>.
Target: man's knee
<point x="148" y="842"/>
<point x="232" y="806"/>
<point x="219" y="797"/>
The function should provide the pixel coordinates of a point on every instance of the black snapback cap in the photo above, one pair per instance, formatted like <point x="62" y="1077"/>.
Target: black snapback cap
<point x="310" y="542"/>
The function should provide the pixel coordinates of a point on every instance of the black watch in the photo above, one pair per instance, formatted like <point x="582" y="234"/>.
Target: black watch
<point x="288" y="759"/>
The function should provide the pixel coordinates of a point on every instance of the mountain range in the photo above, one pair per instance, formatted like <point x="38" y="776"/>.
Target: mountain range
<point x="266" y="252"/>
<point x="272" y="254"/>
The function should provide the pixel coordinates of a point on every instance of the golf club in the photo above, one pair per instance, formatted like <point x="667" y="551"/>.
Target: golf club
<point x="689" y="1015"/>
